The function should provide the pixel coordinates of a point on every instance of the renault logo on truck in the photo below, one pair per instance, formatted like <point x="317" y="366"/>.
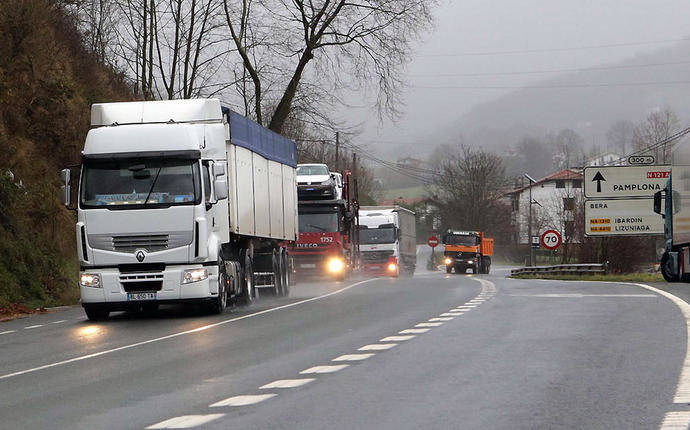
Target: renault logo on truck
<point x="140" y="254"/>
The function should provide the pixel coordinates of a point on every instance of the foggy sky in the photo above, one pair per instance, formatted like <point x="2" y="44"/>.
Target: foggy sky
<point x="481" y="26"/>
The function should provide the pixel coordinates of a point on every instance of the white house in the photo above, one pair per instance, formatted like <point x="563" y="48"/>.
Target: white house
<point x="606" y="159"/>
<point x="556" y="200"/>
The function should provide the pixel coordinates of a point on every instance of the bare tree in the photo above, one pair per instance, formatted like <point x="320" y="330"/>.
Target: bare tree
<point x="569" y="148"/>
<point x="469" y="187"/>
<point x="659" y="125"/>
<point x="620" y="135"/>
<point x="362" y="41"/>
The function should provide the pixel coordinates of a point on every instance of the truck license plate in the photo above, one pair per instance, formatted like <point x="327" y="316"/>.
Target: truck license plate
<point x="141" y="296"/>
<point x="307" y="266"/>
<point x="374" y="267"/>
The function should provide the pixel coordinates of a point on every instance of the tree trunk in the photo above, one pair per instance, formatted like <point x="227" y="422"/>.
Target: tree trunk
<point x="283" y="109"/>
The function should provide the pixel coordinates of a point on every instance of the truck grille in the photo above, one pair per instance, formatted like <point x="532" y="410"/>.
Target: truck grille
<point x="151" y="243"/>
<point x="131" y="242"/>
<point x="376" y="256"/>
<point x="137" y="282"/>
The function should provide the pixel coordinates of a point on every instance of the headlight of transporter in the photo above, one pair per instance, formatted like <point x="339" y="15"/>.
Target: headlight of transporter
<point x="335" y="265"/>
<point x="447" y="261"/>
<point x="90" y="280"/>
<point x="194" y="275"/>
<point x="392" y="267"/>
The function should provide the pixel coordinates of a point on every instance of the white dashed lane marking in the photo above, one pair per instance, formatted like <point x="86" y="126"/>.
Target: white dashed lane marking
<point x="429" y="324"/>
<point x="58" y="322"/>
<point x="397" y="338"/>
<point x="452" y="314"/>
<point x="377" y="347"/>
<point x="441" y="319"/>
<point x="324" y="369"/>
<point x="33" y="326"/>
<point x="287" y="383"/>
<point x="8" y="331"/>
<point x="186" y="421"/>
<point x="243" y="400"/>
<point x="353" y="357"/>
<point x="414" y="331"/>
<point x="679" y="420"/>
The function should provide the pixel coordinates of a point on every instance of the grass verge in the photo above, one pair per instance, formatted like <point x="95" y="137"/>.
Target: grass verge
<point x="624" y="277"/>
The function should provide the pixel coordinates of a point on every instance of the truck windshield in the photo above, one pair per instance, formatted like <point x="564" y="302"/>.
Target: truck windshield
<point x="139" y="183"/>
<point x="318" y="222"/>
<point x="463" y="240"/>
<point x="370" y="236"/>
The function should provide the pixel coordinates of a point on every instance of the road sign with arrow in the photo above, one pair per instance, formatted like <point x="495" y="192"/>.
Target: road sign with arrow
<point x="606" y="182"/>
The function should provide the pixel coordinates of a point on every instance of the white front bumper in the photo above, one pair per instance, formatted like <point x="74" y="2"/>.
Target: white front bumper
<point x="113" y="291"/>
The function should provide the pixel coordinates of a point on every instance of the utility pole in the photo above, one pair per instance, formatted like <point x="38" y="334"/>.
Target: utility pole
<point x="354" y="164"/>
<point x="529" y="220"/>
<point x="337" y="151"/>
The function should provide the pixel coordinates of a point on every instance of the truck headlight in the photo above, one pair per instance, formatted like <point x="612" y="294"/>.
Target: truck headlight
<point x="335" y="265"/>
<point x="90" y="280"/>
<point x="194" y="275"/>
<point x="392" y="267"/>
<point x="447" y="261"/>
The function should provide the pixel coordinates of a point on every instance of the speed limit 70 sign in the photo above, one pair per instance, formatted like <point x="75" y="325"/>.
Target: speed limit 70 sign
<point x="551" y="239"/>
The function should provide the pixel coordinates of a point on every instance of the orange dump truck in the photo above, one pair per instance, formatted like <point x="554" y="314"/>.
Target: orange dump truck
<point x="467" y="249"/>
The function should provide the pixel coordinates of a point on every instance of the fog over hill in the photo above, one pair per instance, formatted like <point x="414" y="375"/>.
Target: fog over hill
<point x="588" y="101"/>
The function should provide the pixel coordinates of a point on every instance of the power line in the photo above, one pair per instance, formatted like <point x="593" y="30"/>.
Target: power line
<point x="530" y="72"/>
<point x="569" y="48"/>
<point x="555" y="86"/>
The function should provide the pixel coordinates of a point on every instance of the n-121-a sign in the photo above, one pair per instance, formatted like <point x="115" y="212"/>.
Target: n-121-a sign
<point x="624" y="181"/>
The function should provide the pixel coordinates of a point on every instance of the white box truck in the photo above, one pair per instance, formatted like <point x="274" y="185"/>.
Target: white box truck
<point x="181" y="201"/>
<point x="387" y="240"/>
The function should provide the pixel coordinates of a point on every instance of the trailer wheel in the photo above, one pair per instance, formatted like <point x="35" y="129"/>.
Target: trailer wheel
<point x="96" y="313"/>
<point x="285" y="273"/>
<point x="277" y="273"/>
<point x="665" y="267"/>
<point x="248" y="289"/>
<point x="449" y="269"/>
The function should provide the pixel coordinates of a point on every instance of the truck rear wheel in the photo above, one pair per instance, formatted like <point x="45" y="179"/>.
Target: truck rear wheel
<point x="96" y="313"/>
<point x="667" y="270"/>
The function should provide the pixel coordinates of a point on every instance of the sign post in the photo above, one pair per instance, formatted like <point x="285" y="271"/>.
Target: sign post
<point x="432" y="241"/>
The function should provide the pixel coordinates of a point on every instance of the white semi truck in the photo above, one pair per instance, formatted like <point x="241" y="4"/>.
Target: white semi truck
<point x="181" y="201"/>
<point x="387" y="240"/>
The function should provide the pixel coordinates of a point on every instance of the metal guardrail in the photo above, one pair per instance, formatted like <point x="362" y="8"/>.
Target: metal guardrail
<point x="562" y="269"/>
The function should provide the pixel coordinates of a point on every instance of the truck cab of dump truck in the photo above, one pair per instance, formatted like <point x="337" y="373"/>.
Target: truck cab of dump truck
<point x="156" y="222"/>
<point x="467" y="250"/>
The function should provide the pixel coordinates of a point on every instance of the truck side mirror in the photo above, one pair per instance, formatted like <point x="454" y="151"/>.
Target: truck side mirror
<point x="65" y="190"/>
<point x="221" y="188"/>
<point x="657" y="203"/>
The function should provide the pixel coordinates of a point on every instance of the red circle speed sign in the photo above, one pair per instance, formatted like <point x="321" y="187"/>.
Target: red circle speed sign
<point x="551" y="239"/>
<point x="432" y="241"/>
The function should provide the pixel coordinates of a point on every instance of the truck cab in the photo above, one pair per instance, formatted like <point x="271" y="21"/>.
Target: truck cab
<point x="467" y="250"/>
<point x="387" y="240"/>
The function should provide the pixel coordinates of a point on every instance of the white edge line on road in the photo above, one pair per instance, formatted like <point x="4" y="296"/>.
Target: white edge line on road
<point x="185" y="421"/>
<point x="683" y="388"/>
<point x="182" y="333"/>
<point x="676" y="420"/>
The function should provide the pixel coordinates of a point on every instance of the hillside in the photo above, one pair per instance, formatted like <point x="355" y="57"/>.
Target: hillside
<point x="568" y="101"/>
<point x="47" y="84"/>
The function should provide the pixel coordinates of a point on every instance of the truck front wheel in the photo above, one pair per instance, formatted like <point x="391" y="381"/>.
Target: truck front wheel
<point x="96" y="313"/>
